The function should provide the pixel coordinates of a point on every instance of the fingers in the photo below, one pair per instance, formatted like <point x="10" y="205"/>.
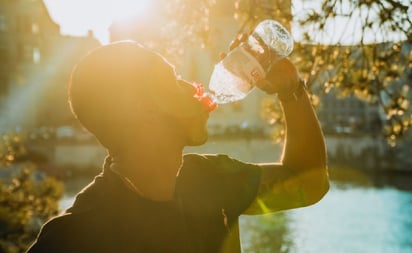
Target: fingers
<point x="266" y="86"/>
<point x="222" y="55"/>
<point x="283" y="67"/>
<point x="282" y="77"/>
<point x="239" y="39"/>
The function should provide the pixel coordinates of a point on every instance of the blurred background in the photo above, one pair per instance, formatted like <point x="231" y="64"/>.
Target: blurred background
<point x="354" y="55"/>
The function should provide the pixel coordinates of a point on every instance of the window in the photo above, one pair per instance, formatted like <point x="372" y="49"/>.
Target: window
<point x="3" y="23"/>
<point x="36" y="55"/>
<point x="35" y="28"/>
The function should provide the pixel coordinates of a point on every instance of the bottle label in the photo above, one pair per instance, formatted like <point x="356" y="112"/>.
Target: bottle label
<point x="242" y="64"/>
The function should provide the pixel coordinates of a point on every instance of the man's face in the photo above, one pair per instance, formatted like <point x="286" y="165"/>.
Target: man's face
<point x="196" y="125"/>
<point x="122" y="88"/>
<point x="179" y="102"/>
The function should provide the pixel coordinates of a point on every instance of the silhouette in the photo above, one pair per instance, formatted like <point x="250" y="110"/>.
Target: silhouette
<point x="150" y="197"/>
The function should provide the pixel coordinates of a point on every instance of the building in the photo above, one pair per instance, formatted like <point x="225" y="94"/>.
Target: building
<point x="35" y="64"/>
<point x="348" y="115"/>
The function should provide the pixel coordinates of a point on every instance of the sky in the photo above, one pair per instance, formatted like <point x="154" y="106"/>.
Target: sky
<point x="78" y="17"/>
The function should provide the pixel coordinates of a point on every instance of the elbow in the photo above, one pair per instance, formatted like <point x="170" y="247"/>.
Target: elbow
<point x="323" y="190"/>
<point x="316" y="186"/>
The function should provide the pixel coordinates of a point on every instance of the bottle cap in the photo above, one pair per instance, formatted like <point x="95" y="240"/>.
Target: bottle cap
<point x="203" y="98"/>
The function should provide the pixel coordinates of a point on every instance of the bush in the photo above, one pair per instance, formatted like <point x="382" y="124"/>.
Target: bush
<point x="27" y="197"/>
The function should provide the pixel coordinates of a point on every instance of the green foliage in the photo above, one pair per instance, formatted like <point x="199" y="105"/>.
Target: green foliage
<point x="375" y="73"/>
<point x="27" y="197"/>
<point x="377" y="67"/>
<point x="374" y="63"/>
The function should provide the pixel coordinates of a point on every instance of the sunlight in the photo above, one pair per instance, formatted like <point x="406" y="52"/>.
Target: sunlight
<point x="345" y="29"/>
<point x="125" y="9"/>
<point x="77" y="17"/>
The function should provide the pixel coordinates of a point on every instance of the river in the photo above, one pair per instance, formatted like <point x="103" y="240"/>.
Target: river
<point x="346" y="220"/>
<point x="355" y="220"/>
<point x="360" y="214"/>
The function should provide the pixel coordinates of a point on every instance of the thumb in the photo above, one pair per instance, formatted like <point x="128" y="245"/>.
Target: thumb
<point x="222" y="55"/>
<point x="264" y="84"/>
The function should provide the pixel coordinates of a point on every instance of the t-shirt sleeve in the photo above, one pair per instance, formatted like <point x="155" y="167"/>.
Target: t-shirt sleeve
<point x="210" y="183"/>
<point x="71" y="233"/>
<point x="53" y="236"/>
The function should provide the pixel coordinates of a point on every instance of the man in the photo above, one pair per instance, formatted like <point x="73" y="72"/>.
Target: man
<point x="152" y="198"/>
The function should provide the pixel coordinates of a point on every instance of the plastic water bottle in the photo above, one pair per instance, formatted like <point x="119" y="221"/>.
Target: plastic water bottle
<point x="235" y="76"/>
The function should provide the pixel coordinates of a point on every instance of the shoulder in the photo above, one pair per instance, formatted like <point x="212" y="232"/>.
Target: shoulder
<point x="218" y="181"/>
<point x="82" y="232"/>
<point x="57" y="235"/>
<point x="219" y="169"/>
<point x="217" y="163"/>
<point x="80" y="227"/>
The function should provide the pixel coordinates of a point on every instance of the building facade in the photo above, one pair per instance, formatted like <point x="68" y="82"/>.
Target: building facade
<point x="35" y="64"/>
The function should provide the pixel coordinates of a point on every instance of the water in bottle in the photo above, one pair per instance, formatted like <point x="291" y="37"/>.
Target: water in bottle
<point x="235" y="76"/>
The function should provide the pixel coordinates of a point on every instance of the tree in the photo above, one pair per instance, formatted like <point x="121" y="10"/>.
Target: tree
<point x="374" y="63"/>
<point x="27" y="197"/>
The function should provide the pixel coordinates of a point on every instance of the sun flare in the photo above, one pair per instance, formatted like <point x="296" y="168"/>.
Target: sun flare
<point x="79" y="16"/>
<point x="125" y="9"/>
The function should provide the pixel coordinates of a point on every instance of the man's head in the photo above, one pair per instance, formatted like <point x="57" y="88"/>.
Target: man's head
<point x="116" y="89"/>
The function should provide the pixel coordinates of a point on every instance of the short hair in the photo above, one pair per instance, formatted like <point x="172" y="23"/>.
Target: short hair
<point x="110" y="79"/>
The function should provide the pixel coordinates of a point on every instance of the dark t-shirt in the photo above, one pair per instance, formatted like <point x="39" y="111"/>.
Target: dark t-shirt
<point x="211" y="192"/>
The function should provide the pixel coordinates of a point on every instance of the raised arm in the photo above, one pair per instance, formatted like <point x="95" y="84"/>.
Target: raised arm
<point x="301" y="177"/>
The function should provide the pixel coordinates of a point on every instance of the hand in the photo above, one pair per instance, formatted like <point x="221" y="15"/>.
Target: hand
<point x="283" y="78"/>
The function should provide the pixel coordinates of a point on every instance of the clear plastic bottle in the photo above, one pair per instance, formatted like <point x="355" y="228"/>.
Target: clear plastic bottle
<point x="235" y="76"/>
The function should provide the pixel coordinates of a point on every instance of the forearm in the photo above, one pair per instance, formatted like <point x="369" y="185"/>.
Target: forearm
<point x="304" y="145"/>
<point x="304" y="151"/>
<point x="301" y="177"/>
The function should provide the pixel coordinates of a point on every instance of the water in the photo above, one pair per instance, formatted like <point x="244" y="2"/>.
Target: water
<point x="355" y="220"/>
<point x="349" y="219"/>
<point x="227" y="87"/>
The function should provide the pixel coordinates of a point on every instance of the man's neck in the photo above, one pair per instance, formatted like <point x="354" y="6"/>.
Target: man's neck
<point x="153" y="175"/>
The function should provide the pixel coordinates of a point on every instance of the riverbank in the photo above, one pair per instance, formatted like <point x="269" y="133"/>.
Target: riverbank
<point x="367" y="154"/>
<point x="340" y="176"/>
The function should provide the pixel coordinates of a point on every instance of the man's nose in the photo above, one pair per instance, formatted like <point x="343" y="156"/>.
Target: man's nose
<point x="196" y="90"/>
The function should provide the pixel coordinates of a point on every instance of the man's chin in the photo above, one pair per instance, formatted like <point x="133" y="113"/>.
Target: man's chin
<point x="198" y="140"/>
